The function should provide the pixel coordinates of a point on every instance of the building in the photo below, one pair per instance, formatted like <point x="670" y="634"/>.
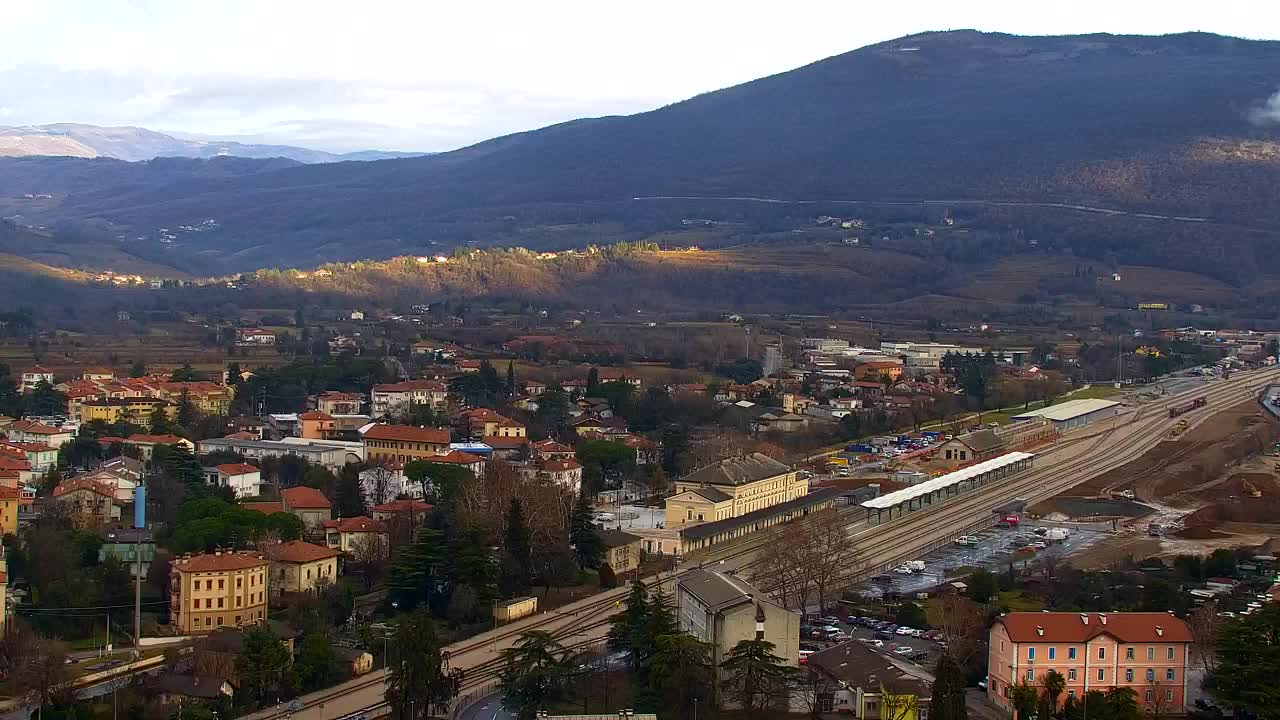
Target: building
<point x="308" y="504"/>
<point x="90" y="504"/>
<point x="337" y="403"/>
<point x="622" y="550"/>
<point x="403" y="443"/>
<point x="356" y="661"/>
<point x="772" y="359"/>
<point x="971" y="447"/>
<point x="146" y="444"/>
<point x="859" y="681"/>
<point x="874" y="370"/>
<point x="317" y="425"/>
<point x="134" y="410"/>
<point x="39" y="456"/>
<point x="1073" y="413"/>
<point x="135" y="548"/>
<point x="732" y="487"/>
<point x="175" y="689"/>
<point x="217" y="589"/>
<point x="255" y="337"/>
<point x="37" y="433"/>
<point x="724" y="610"/>
<point x="347" y="533"/>
<point x="244" y="480"/>
<point x="484" y="423"/>
<point x="10" y="499"/>
<point x="1145" y="652"/>
<point x="4" y="598"/>
<point x="464" y="460"/>
<point x="32" y="377"/>
<point x="398" y="398"/>
<point x="411" y="509"/>
<point x="566" y="473"/>
<point x="297" y="566"/>
<point x="329" y="454"/>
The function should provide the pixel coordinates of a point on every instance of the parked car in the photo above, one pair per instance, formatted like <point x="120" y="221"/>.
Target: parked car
<point x="804" y="656"/>
<point x="877" y="643"/>
<point x="903" y="650"/>
<point x="1039" y="545"/>
<point x="884" y="635"/>
<point x="982" y="684"/>
<point x="904" y="630"/>
<point x="917" y="633"/>
<point x="808" y="646"/>
<point x="829" y="620"/>
<point x="852" y="620"/>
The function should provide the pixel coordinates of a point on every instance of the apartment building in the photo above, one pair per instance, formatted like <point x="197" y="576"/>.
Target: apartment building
<point x="298" y="566"/>
<point x="218" y="589"/>
<point x="403" y="443"/>
<point x="397" y="398"/>
<point x="1146" y="652"/>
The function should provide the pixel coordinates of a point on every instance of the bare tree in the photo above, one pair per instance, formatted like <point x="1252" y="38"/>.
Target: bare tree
<point x="377" y="484"/>
<point x="370" y="552"/>
<point x="39" y="664"/>
<point x="833" y="561"/>
<point x="815" y="692"/>
<point x="1157" y="701"/>
<point x="962" y="623"/>
<point x="1205" y="626"/>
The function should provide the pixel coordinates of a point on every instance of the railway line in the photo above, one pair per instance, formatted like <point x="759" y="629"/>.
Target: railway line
<point x="883" y="545"/>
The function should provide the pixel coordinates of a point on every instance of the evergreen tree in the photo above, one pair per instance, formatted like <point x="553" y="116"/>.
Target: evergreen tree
<point x="187" y="412"/>
<point x="593" y="383"/>
<point x="553" y="408"/>
<point x="518" y="540"/>
<point x="588" y="546"/>
<point x="755" y="678"/>
<point x="10" y="398"/>
<point x="137" y="369"/>
<point x="948" y="691"/>
<point x="262" y="663"/>
<point x="418" y="574"/>
<point x="1248" y="663"/>
<point x="471" y="565"/>
<point x="511" y="379"/>
<point x="317" y="663"/>
<point x="680" y="673"/>
<point x="418" y="684"/>
<point x="233" y="374"/>
<point x="46" y="400"/>
<point x="184" y="374"/>
<point x="627" y="628"/>
<point x="536" y="672"/>
<point x="349" y="498"/>
<point x="661" y="620"/>
<point x="160" y="424"/>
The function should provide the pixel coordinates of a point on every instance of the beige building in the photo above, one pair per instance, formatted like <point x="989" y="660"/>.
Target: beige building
<point x="731" y="488"/>
<point x="308" y="504"/>
<point x="724" y="610"/>
<point x="297" y="566"/>
<point x="399" y="398"/>
<point x="345" y="533"/>
<point x="218" y="589"/>
<point x="623" y="551"/>
<point x="403" y="443"/>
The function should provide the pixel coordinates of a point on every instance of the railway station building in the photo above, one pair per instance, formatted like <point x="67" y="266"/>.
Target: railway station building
<point x="918" y="497"/>
<point x="1073" y="413"/>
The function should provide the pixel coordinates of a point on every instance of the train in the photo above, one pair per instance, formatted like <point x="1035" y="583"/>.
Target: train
<point x="1188" y="407"/>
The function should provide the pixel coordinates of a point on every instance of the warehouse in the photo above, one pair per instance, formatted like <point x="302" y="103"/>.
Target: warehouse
<point x="1073" y="414"/>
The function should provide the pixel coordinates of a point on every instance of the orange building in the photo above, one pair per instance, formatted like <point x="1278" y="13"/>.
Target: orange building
<point x="217" y="589"/>
<point x="316" y="425"/>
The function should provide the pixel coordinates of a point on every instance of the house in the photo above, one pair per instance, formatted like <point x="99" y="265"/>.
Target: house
<point x="134" y="410"/>
<point x="589" y="423"/>
<point x="464" y="460"/>
<point x="10" y="499"/>
<point x="873" y="370"/>
<point x="608" y="374"/>
<point x="336" y="403"/>
<point x="255" y="337"/>
<point x="1146" y="652"/>
<point x="354" y="660"/>
<point x="551" y="450"/>
<point x="32" y="431"/>
<point x="345" y="533"/>
<point x="403" y="443"/>
<point x="98" y="374"/>
<point x="146" y="444"/>
<point x="724" y="610"/>
<point x="244" y="480"/>
<point x="217" y="589"/>
<point x="136" y="549"/>
<point x="484" y="423"/>
<point x="851" y="678"/>
<point x="317" y="425"/>
<point x="41" y="457"/>
<point x="732" y="487"/>
<point x="89" y="503"/>
<point x="970" y="447"/>
<point x="622" y="551"/>
<point x="331" y="454"/>
<point x="298" y="566"/>
<point x="270" y="507"/>
<point x="216" y="655"/>
<point x="507" y="448"/>
<point x="399" y="398"/>
<point x="409" y="508"/>
<point x="33" y="376"/>
<point x="174" y="689"/>
<point x="308" y="504"/>
<point x="534" y="388"/>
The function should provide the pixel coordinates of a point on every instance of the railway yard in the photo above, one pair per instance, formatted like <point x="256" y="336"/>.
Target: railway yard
<point x="1134" y="451"/>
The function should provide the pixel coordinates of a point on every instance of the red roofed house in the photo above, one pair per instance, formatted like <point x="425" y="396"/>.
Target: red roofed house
<point x="32" y="377"/>
<point x="217" y="589"/>
<point x="98" y="373"/>
<point x="30" y="431"/>
<point x="345" y="533"/>
<point x="551" y="450"/>
<point x="297" y="566"/>
<point x="243" y="479"/>
<point x="255" y="336"/>
<point x="474" y="463"/>
<point x="403" y="443"/>
<point x="337" y="403"/>
<point x="146" y="444"/>
<point x="607" y="374"/>
<point x="90" y="503"/>
<point x="266" y="508"/>
<point x="40" y="456"/>
<point x="308" y="504"/>
<point x="405" y="507"/>
<point x="567" y="473"/>
<point x="1144" y="651"/>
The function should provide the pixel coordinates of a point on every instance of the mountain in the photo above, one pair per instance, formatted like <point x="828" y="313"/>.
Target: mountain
<point x="1164" y="126"/>
<point x="135" y="143"/>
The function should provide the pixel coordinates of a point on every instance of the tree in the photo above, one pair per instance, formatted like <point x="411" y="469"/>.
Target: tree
<point x="421" y="683"/>
<point x="10" y="399"/>
<point x="627" y="628"/>
<point x="159" y="423"/>
<point x="962" y="622"/>
<point x="369" y="552"/>
<point x="36" y="664"/>
<point x="518" y="543"/>
<point x="948" y="690"/>
<point x="911" y="615"/>
<point x="535" y="672"/>
<point x="317" y="664"/>
<point x="1025" y="699"/>
<point x="511" y="379"/>
<point x="1248" y="653"/>
<point x="553" y="409"/>
<point x="755" y="678"/>
<point x="262" y="663"/>
<point x="188" y="415"/>
<point x="46" y="400"/>
<point x="419" y="573"/>
<point x="593" y="383"/>
<point x="1054" y="683"/>
<point x="1205" y="627"/>
<point x="681" y="672"/>
<point x="588" y="546"/>
<point x="982" y="585"/>
<point x="349" y="498"/>
<point x="137" y="369"/>
<point x="184" y="374"/>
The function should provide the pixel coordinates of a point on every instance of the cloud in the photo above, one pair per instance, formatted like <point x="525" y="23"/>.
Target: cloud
<point x="1268" y="113"/>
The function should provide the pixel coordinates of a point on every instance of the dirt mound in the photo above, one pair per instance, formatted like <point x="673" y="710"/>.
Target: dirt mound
<point x="1200" y="533"/>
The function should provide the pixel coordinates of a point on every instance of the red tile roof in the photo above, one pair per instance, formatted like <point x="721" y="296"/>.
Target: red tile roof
<point x="31" y="426"/>
<point x="1127" y="627"/>
<point x="27" y="447"/>
<point x="551" y="465"/>
<point x="74" y="484"/>
<point x="409" y="385"/>
<point x="315" y="415"/>
<point x="266" y="508"/>
<point x="155" y="439"/>
<point x="408" y="433"/>
<point x="505" y="443"/>
<point x="215" y="562"/>
<point x="304" y="498"/>
<point x="356" y="525"/>
<point x="237" y="469"/>
<point x="456" y="457"/>
<point x="297" y="551"/>
<point x="404" y="505"/>
<point x="9" y="493"/>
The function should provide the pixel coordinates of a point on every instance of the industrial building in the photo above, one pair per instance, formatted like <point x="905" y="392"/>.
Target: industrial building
<point x="1073" y="413"/>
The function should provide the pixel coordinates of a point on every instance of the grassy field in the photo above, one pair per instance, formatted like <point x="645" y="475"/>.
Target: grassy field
<point x="1014" y="600"/>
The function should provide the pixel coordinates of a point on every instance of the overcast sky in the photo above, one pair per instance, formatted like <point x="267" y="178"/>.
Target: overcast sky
<point x="435" y="75"/>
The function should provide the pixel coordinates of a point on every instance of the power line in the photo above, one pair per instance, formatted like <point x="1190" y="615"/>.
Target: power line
<point x="57" y="611"/>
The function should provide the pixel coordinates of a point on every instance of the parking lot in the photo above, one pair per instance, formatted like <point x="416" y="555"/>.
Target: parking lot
<point x="993" y="551"/>
<point x="923" y="651"/>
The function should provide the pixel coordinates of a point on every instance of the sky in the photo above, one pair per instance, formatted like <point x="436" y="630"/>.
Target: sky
<point x="419" y="75"/>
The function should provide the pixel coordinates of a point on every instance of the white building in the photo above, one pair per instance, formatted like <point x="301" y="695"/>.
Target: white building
<point x="33" y="376"/>
<point x="398" y="398"/>
<point x="243" y="479"/>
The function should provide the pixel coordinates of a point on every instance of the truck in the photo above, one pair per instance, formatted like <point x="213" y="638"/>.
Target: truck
<point x="861" y="448"/>
<point x="916" y="565"/>
<point x="932" y="434"/>
<point x="1009" y="521"/>
<point x="1056" y="535"/>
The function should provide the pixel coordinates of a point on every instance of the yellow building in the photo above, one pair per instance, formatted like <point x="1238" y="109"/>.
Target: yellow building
<point x="209" y="398"/>
<point x="10" y="498"/>
<point x="359" y="534"/>
<point x="136" y="410"/>
<point x="297" y="566"/>
<point x="731" y="488"/>
<point x="4" y="594"/>
<point x="218" y="589"/>
<point x="404" y="443"/>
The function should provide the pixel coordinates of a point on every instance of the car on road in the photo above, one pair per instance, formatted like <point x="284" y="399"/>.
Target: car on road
<point x="804" y="656"/>
<point x="903" y="650"/>
<point x="982" y="684"/>
<point x="884" y="634"/>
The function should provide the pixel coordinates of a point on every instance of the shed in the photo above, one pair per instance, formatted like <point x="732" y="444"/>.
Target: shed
<point x="508" y="610"/>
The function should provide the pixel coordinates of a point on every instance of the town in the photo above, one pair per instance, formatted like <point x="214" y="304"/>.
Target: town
<point x="359" y="516"/>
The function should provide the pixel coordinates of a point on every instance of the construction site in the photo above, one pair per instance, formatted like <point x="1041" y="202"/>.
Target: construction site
<point x="1212" y="482"/>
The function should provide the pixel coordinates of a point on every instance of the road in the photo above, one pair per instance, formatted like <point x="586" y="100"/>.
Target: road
<point x="1078" y="457"/>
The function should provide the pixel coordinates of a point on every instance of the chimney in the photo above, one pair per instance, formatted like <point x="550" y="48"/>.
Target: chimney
<point x="1159" y="631"/>
<point x="1040" y="630"/>
<point x="1084" y="618"/>
<point x="1103" y="618"/>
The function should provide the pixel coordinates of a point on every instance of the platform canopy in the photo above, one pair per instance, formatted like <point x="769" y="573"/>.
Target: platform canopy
<point x="942" y="482"/>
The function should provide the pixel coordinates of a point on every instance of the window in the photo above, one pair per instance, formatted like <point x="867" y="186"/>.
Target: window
<point x="1128" y="653"/>
<point x="1171" y="652"/>
<point x="1148" y="696"/>
<point x="221" y="583"/>
<point x="238" y="601"/>
<point x="219" y="603"/>
<point x="219" y="621"/>
<point x="1071" y="674"/>
<point x="1001" y="646"/>
<point x="1102" y="675"/>
<point x="237" y="619"/>
<point x="1168" y="695"/>
<point x="1102" y="653"/>
<point x="1168" y="674"/>
<point x="208" y="584"/>
<point x="208" y="603"/>
<point x="1071" y="653"/>
<point x="1151" y="675"/>
<point x="1031" y="675"/>
<point x="1052" y="652"/>
<point x="1128" y="675"/>
<point x="1071" y="693"/>
<point x="1031" y="653"/>
<point x="1151" y="653"/>
<point x="207" y="622"/>
<point x="239" y="583"/>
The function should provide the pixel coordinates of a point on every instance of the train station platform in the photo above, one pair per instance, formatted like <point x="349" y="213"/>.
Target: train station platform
<point x="942" y="487"/>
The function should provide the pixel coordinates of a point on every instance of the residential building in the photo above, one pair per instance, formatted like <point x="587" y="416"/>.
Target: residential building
<point x="330" y="454"/>
<point x="146" y="444"/>
<point x="245" y="480"/>
<point x="566" y="473"/>
<point x="135" y="548"/>
<point x="397" y="399"/>
<point x="317" y="425"/>
<point x="464" y="460"/>
<point x="403" y="443"/>
<point x="135" y="410"/>
<point x="551" y="450"/>
<point x="345" y="533"/>
<point x="724" y="610"/>
<point x="10" y="499"/>
<point x="32" y="431"/>
<point x="255" y="337"/>
<point x="98" y="374"/>
<point x="610" y="374"/>
<point x="308" y="504"/>
<point x="1143" y="651"/>
<point x="218" y="589"/>
<point x="409" y="508"/>
<point x="90" y="504"/>
<point x="34" y="376"/>
<point x="874" y="370"/>
<point x="297" y="566"/>
<point x="174" y="689"/>
<point x="484" y="423"/>
<point x="732" y="487"/>
<point x="971" y="447"/>
<point x="337" y="403"/>
<point x="622" y="550"/>
<point x="856" y="680"/>
<point x="355" y="661"/>
<point x="39" y="456"/>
